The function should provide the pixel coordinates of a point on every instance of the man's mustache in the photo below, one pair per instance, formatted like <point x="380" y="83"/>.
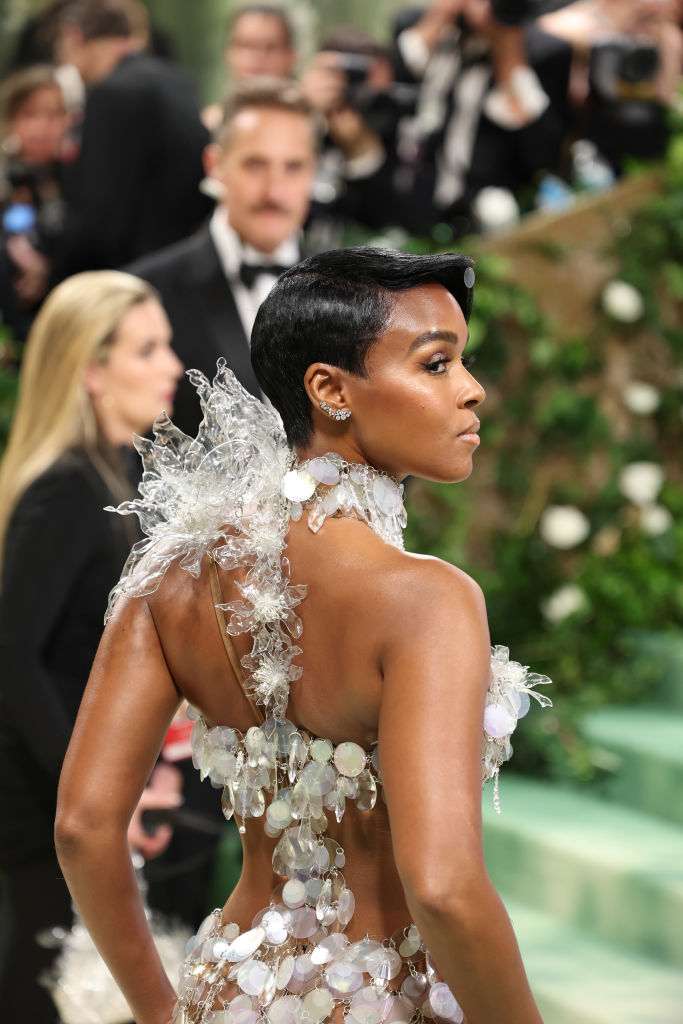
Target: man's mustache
<point x="271" y="208"/>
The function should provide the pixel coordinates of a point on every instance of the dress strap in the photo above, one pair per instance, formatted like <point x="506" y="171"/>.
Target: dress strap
<point x="217" y="597"/>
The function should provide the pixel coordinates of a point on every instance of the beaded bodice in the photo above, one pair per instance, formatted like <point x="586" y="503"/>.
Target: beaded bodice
<point x="233" y="492"/>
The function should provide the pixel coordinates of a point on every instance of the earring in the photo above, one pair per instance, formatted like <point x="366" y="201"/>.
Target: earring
<point x="335" y="414"/>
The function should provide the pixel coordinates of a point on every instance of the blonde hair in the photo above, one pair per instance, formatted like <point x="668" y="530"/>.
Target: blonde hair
<point x="76" y="325"/>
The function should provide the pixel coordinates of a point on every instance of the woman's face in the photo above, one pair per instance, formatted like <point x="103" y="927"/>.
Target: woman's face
<point x="40" y="124"/>
<point x="139" y="377"/>
<point x="413" y="412"/>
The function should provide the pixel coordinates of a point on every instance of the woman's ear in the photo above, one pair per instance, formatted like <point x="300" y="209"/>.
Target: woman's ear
<point x="94" y="378"/>
<point x="326" y="387"/>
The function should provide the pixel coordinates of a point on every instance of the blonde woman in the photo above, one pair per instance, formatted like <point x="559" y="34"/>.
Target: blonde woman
<point x="98" y="367"/>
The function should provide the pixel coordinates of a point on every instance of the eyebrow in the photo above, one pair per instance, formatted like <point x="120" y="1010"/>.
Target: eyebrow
<point x="430" y="336"/>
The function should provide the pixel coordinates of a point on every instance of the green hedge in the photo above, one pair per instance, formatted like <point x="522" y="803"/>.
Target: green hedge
<point x="603" y="616"/>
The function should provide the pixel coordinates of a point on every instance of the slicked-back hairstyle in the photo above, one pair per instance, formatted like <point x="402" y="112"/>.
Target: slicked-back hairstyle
<point x="97" y="19"/>
<point x="264" y="92"/>
<point x="270" y="11"/>
<point x="331" y="308"/>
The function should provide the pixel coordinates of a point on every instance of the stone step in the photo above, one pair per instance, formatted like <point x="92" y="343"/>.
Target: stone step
<point x="576" y="978"/>
<point x="648" y="745"/>
<point x="608" y="870"/>
<point x="660" y="655"/>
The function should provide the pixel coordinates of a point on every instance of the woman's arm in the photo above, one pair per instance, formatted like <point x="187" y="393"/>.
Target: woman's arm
<point x="436" y="673"/>
<point x="128" y="704"/>
<point x="53" y="534"/>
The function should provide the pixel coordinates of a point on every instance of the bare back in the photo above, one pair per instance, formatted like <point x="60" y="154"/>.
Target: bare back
<point x="347" y="630"/>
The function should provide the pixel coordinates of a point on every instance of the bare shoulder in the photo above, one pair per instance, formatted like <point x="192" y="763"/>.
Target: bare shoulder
<point x="370" y="574"/>
<point x="180" y="597"/>
<point x="422" y="587"/>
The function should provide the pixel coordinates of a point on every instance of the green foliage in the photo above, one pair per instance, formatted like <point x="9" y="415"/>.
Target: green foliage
<point x="553" y="443"/>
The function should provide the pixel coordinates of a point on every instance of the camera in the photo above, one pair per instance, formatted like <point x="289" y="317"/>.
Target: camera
<point x="515" y="12"/>
<point x="45" y="225"/>
<point x="624" y="68"/>
<point x="356" y="67"/>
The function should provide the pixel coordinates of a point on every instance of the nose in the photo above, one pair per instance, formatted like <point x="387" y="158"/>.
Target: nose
<point x="474" y="393"/>
<point x="275" y="186"/>
<point x="176" y="368"/>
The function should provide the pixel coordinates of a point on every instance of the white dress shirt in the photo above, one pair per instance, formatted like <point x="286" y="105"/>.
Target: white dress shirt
<point x="232" y="252"/>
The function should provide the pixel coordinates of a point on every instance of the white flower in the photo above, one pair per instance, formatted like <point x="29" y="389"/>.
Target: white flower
<point x="655" y="519"/>
<point x="641" y="398"/>
<point x="495" y="208"/>
<point x="622" y="302"/>
<point x="564" y="526"/>
<point x="564" y="601"/>
<point x="641" y="482"/>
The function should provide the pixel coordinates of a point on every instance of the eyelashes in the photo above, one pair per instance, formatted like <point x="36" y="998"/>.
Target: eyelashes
<point x="438" y="366"/>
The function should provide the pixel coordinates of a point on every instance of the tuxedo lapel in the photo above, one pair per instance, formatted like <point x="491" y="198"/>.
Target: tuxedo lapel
<point x="218" y="319"/>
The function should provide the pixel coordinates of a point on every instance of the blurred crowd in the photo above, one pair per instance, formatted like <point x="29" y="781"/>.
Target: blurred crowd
<point x="139" y="235"/>
<point x="474" y="111"/>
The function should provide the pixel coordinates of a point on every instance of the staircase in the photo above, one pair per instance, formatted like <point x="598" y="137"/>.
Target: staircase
<point x="593" y="877"/>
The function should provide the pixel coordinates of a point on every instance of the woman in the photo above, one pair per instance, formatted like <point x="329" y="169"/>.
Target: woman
<point x="361" y="353"/>
<point x="98" y="367"/>
<point x="33" y="159"/>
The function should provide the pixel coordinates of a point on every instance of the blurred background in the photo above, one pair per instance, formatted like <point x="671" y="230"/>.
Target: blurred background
<point x="546" y="140"/>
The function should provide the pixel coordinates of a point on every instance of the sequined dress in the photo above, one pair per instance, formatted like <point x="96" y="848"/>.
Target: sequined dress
<point x="232" y="493"/>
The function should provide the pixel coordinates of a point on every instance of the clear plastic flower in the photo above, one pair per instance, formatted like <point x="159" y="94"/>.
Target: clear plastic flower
<point x="507" y="701"/>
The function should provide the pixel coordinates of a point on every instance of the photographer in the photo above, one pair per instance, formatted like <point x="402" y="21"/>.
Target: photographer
<point x="34" y="124"/>
<point x="625" y="72"/>
<point x="492" y="103"/>
<point x="350" y="82"/>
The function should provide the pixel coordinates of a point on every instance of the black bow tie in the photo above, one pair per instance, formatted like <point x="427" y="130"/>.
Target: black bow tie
<point x="250" y="271"/>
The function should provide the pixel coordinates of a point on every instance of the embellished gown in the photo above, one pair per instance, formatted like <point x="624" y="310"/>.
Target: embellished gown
<point x="304" y="957"/>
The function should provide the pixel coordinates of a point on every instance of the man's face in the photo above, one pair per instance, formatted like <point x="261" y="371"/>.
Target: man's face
<point x="267" y="168"/>
<point x="259" y="45"/>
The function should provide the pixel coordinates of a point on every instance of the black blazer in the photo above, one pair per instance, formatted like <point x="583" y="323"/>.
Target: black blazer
<point x="135" y="186"/>
<point x="63" y="554"/>
<point x="201" y="307"/>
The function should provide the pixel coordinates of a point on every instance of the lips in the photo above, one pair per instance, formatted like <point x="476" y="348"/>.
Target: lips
<point x="470" y="435"/>
<point x="473" y="428"/>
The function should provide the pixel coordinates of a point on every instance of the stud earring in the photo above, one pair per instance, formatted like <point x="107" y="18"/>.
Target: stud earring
<point x="335" y="414"/>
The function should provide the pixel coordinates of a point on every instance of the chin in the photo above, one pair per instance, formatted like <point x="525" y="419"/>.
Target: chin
<point x="448" y="474"/>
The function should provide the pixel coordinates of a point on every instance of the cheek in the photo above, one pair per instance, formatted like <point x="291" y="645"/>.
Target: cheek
<point x="130" y="379"/>
<point x="301" y="197"/>
<point x="242" y="190"/>
<point x="395" y="409"/>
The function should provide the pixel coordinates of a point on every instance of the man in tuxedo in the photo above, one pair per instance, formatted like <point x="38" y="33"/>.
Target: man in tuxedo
<point x="136" y="182"/>
<point x="261" y="166"/>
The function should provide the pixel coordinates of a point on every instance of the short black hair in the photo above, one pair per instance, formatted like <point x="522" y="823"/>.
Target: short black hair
<point x="331" y="308"/>
<point x="269" y="11"/>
